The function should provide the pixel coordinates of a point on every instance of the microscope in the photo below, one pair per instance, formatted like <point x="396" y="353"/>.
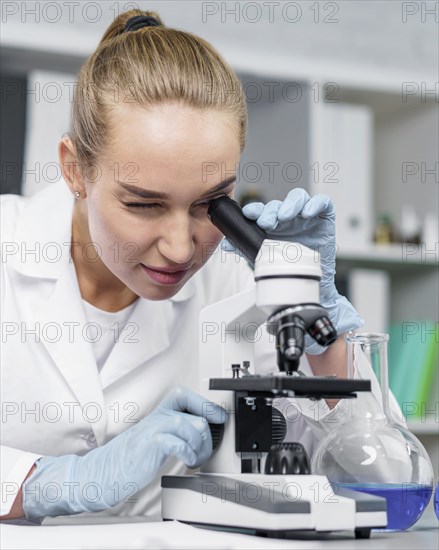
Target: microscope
<point x="255" y="482"/>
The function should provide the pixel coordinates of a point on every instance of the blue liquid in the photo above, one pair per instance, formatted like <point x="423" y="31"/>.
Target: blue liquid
<point x="405" y="502"/>
<point x="436" y="501"/>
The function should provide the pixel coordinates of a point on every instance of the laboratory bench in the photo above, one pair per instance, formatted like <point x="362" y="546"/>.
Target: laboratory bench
<point x="116" y="533"/>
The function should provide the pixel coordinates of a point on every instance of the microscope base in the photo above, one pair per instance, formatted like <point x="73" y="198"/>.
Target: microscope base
<point x="276" y="506"/>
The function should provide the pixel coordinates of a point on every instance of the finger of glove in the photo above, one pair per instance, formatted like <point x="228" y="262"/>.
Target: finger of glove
<point x="293" y="204"/>
<point x="253" y="210"/>
<point x="268" y="218"/>
<point x="172" y="445"/>
<point x="190" y="428"/>
<point x="183" y="399"/>
<point x="319" y="205"/>
<point x="205" y="449"/>
<point x="195" y="432"/>
<point x="227" y="246"/>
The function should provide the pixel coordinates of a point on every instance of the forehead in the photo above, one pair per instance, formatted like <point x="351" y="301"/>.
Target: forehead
<point x="172" y="141"/>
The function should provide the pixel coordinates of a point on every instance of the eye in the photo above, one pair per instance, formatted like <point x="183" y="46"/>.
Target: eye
<point x="142" y="205"/>
<point x="207" y="202"/>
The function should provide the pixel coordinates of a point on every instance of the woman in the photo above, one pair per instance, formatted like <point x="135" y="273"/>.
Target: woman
<point x="100" y="320"/>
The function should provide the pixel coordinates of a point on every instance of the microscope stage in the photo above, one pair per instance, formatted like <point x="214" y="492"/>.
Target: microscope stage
<point x="292" y="386"/>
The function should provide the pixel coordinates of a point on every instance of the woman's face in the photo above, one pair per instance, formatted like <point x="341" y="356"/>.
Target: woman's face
<point x="147" y="205"/>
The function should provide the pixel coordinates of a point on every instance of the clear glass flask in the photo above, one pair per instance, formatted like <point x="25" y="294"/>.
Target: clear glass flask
<point x="369" y="449"/>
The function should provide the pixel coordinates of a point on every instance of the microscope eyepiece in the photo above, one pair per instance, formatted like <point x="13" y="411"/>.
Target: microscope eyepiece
<point x="290" y="323"/>
<point x="227" y="216"/>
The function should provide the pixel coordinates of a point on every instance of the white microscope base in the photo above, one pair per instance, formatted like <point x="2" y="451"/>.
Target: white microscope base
<point x="273" y="505"/>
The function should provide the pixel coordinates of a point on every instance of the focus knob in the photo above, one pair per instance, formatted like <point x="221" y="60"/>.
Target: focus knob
<point x="278" y="426"/>
<point x="287" y="458"/>
<point x="217" y="432"/>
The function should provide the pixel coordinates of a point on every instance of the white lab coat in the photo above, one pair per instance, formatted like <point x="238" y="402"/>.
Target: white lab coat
<point x="54" y="399"/>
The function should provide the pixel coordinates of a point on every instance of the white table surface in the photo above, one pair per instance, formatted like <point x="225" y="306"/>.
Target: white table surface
<point x="166" y="535"/>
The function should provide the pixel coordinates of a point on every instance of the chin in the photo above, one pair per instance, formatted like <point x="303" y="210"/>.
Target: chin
<point x="160" y="293"/>
<point x="157" y="297"/>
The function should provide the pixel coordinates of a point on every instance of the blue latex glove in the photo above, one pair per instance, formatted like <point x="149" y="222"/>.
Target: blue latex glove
<point x="105" y="476"/>
<point x="310" y="222"/>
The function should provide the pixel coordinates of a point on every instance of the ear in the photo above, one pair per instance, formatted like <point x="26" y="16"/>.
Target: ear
<point x="70" y="167"/>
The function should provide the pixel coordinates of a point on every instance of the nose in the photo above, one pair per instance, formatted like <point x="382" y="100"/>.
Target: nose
<point x="177" y="240"/>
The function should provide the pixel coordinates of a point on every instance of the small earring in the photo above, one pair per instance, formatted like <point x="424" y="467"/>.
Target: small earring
<point x="77" y="194"/>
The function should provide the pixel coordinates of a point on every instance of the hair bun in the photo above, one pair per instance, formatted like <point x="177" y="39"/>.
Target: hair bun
<point x="140" y="21"/>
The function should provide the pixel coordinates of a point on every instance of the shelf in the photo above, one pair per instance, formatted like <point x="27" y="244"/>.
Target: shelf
<point x="382" y="101"/>
<point x="427" y="427"/>
<point x="392" y="253"/>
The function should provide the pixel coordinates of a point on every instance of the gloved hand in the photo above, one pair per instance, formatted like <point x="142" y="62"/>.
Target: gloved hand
<point x="310" y="222"/>
<point x="105" y="476"/>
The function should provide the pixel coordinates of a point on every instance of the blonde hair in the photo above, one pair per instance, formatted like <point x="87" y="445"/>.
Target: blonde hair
<point x="153" y="65"/>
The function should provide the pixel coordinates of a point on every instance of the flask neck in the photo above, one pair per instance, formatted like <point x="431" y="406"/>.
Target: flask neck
<point x="365" y="352"/>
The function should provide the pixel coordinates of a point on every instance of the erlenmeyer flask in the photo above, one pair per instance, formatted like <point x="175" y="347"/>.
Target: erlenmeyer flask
<point x="369" y="449"/>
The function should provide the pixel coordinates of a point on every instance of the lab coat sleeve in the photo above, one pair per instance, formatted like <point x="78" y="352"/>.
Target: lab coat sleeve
<point x="14" y="463"/>
<point x="14" y="467"/>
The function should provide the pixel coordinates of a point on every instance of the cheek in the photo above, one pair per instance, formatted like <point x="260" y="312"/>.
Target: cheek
<point x="207" y="239"/>
<point x="104" y="227"/>
<point x="117" y="237"/>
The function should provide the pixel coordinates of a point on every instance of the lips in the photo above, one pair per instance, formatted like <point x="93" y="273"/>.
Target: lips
<point x="165" y="276"/>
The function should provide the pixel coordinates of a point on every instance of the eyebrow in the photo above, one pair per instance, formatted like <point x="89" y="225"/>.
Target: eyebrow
<point x="149" y="194"/>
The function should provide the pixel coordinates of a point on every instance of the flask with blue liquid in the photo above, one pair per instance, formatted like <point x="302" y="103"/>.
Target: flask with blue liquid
<point x="369" y="449"/>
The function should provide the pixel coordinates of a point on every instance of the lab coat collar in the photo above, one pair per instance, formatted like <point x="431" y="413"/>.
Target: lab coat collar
<point x="144" y="336"/>
<point x="44" y="235"/>
<point x="70" y="350"/>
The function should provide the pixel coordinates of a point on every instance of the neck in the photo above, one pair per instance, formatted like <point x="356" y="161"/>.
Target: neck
<point x="98" y="285"/>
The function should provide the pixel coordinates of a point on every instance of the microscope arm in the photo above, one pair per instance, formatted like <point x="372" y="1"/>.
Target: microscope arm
<point x="227" y="335"/>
